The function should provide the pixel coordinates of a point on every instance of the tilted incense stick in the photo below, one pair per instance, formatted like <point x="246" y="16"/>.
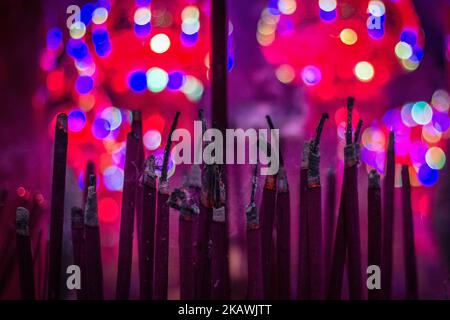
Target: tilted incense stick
<point x="408" y="238"/>
<point x="147" y="238"/>
<point x="162" y="225"/>
<point x="57" y="207"/>
<point x="374" y="226"/>
<point x="254" y="253"/>
<point x="388" y="220"/>
<point x="79" y="258"/>
<point x="94" y="266"/>
<point x="25" y="259"/>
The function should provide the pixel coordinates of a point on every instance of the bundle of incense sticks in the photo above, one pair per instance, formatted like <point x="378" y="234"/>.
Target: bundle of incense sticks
<point x="219" y="242"/>
<point x="374" y="226"/>
<point x="303" y="268"/>
<point x="314" y="216"/>
<point x="203" y="250"/>
<point x="329" y="221"/>
<point x="131" y="176"/>
<point x="94" y="266"/>
<point x="388" y="220"/>
<point x="185" y="201"/>
<point x="162" y="225"/>
<point x="57" y="207"/>
<point x="254" y="253"/>
<point x="283" y="232"/>
<point x="347" y="237"/>
<point x="147" y="238"/>
<point x="408" y="238"/>
<point x="79" y="259"/>
<point x="25" y="259"/>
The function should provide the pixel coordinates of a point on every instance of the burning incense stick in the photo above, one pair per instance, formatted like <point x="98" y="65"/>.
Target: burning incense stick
<point x="57" y="207"/>
<point x="94" y="266"/>
<point x="329" y="217"/>
<point x="314" y="216"/>
<point x="219" y="243"/>
<point x="351" y="152"/>
<point x="388" y="220"/>
<point x="147" y="239"/>
<point x="25" y="259"/>
<point x="162" y="225"/>
<point x="79" y="258"/>
<point x="374" y="226"/>
<point x="90" y="170"/>
<point x="283" y="232"/>
<point x="408" y="238"/>
<point x="131" y="174"/>
<point x="185" y="202"/>
<point x="254" y="254"/>
<point x="303" y="258"/>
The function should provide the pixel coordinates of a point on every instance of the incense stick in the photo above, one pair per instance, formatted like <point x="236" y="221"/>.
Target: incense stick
<point x="374" y="226"/>
<point x="254" y="253"/>
<point x="408" y="238"/>
<point x="314" y="216"/>
<point x="79" y="259"/>
<point x="329" y="221"/>
<point x="131" y="174"/>
<point x="162" y="226"/>
<point x="57" y="207"/>
<point x="147" y="239"/>
<point x="94" y="266"/>
<point x="90" y="170"/>
<point x="25" y="259"/>
<point x="388" y="220"/>
<point x="303" y="287"/>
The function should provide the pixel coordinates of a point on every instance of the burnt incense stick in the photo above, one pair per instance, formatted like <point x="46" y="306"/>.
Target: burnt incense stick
<point x="329" y="221"/>
<point x="314" y="216"/>
<point x="25" y="259"/>
<point x="147" y="239"/>
<point x="374" y="226"/>
<point x="79" y="259"/>
<point x="408" y="238"/>
<point x="161" y="276"/>
<point x="90" y="170"/>
<point x="255" y="290"/>
<point x="131" y="174"/>
<point x="57" y="207"/>
<point x="219" y="243"/>
<point x="185" y="202"/>
<point x="283" y="232"/>
<point x="303" y="287"/>
<point x="388" y="220"/>
<point x="94" y="266"/>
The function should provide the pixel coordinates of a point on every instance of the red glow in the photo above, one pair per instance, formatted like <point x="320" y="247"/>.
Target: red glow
<point x="108" y="210"/>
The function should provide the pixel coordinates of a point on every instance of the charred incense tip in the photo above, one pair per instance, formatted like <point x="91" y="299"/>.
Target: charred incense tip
<point x="282" y="182"/>
<point x="91" y="209"/>
<point x="348" y="132"/>
<point x="61" y="122"/>
<point x="77" y="217"/>
<point x="319" y="131"/>
<point x="305" y="154"/>
<point x="136" y="116"/>
<point x="136" y="124"/>
<point x="149" y="177"/>
<point x="269" y="122"/>
<point x="374" y="179"/>
<point x="252" y="217"/>
<point x="167" y="149"/>
<point x="391" y="141"/>
<point x="350" y="103"/>
<point x="180" y="199"/>
<point x="22" y="221"/>
<point x="358" y="130"/>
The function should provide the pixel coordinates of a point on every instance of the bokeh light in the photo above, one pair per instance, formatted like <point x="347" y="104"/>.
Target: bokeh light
<point x="348" y="36"/>
<point x="113" y="178"/>
<point x="157" y="79"/>
<point x="152" y="139"/>
<point x="364" y="71"/>
<point x="76" y="120"/>
<point x="285" y="73"/>
<point x="435" y="158"/>
<point x="160" y="43"/>
<point x="422" y="112"/>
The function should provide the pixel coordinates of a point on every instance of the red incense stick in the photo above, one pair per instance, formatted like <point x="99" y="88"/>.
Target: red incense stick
<point x="388" y="220"/>
<point x="314" y="216"/>
<point x="162" y="226"/>
<point x="94" y="266"/>
<point x="374" y="226"/>
<point x="25" y="259"/>
<point x="303" y="258"/>
<point x="408" y="238"/>
<point x="131" y="174"/>
<point x="329" y="221"/>
<point x="255" y="290"/>
<point x="79" y="259"/>
<point x="219" y="243"/>
<point x="57" y="207"/>
<point x="147" y="239"/>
